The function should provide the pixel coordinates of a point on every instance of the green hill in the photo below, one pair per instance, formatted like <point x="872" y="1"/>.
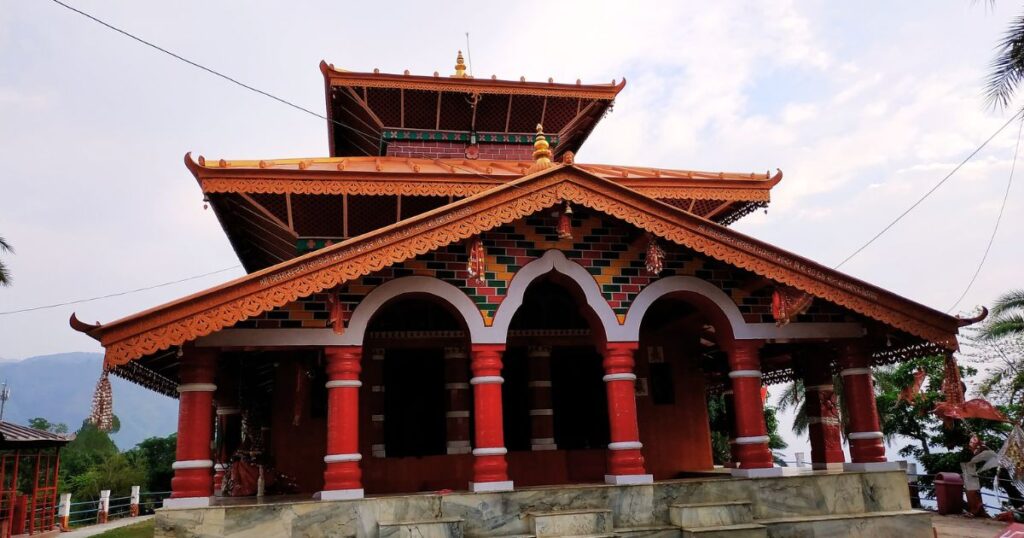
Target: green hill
<point x="59" y="388"/>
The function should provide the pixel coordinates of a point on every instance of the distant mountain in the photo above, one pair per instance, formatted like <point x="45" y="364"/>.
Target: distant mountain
<point x="59" y="388"/>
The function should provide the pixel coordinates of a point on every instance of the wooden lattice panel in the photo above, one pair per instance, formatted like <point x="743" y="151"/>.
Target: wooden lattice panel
<point x="703" y="207"/>
<point x="525" y="114"/>
<point x="317" y="216"/>
<point x="456" y="111"/>
<point x="367" y="213"/>
<point x="414" y="205"/>
<point x="386" y="103"/>
<point x="420" y="110"/>
<point x="559" y="112"/>
<point x="491" y="113"/>
<point x="275" y="203"/>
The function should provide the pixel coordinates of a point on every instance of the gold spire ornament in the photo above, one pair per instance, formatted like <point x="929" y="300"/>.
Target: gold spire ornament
<point x="541" y="152"/>
<point x="460" y="67"/>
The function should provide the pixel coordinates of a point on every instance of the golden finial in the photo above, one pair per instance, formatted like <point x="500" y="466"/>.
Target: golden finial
<point x="460" y="67"/>
<point x="541" y="152"/>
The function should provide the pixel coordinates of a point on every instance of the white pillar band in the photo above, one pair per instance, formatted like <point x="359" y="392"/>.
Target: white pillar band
<point x="456" y="386"/>
<point x="539" y="384"/>
<point x="541" y="412"/>
<point x="625" y="445"/>
<point x="820" y="387"/>
<point x="228" y="411"/>
<point x="619" y="377"/>
<point x="344" y="384"/>
<point x="493" y="451"/>
<point x="858" y="436"/>
<point x="855" y="371"/>
<point x="744" y="373"/>
<point x="341" y="458"/>
<point x="823" y="420"/>
<point x="377" y="418"/>
<point x="197" y="387"/>
<point x="192" y="464"/>
<point x="756" y="440"/>
<point x="486" y="379"/>
<point x="457" y="414"/>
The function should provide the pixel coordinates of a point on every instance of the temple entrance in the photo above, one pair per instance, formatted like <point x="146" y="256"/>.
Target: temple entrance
<point x="417" y="398"/>
<point x="556" y="414"/>
<point x="677" y="345"/>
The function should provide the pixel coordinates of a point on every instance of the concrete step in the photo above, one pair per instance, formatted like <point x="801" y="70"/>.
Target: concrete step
<point x="425" y="528"/>
<point x="743" y="530"/>
<point x="653" y="531"/>
<point x="571" y="523"/>
<point x="902" y="523"/>
<point x="694" y="515"/>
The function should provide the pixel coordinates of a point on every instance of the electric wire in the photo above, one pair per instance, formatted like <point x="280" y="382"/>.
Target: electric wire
<point x="368" y="137"/>
<point x="999" y="218"/>
<point x="930" y="191"/>
<point x="118" y="294"/>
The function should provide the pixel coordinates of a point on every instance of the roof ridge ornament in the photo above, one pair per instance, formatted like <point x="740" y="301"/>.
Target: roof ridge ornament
<point x="460" y="67"/>
<point x="541" y="152"/>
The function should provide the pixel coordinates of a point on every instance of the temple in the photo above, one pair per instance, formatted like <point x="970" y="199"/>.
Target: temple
<point x="449" y="301"/>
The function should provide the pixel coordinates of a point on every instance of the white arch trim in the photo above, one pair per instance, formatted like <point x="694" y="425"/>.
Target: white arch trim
<point x="740" y="328"/>
<point x="553" y="260"/>
<point x="387" y="291"/>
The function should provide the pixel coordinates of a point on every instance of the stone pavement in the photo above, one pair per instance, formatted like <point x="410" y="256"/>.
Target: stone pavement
<point x="965" y="527"/>
<point x="93" y="530"/>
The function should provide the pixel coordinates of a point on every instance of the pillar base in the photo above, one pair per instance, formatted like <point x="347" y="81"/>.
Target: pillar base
<point x="339" y="495"/>
<point x="490" y="487"/>
<point x="768" y="472"/>
<point x="628" y="479"/>
<point x="833" y="466"/>
<point x="871" y="467"/>
<point x="187" y="502"/>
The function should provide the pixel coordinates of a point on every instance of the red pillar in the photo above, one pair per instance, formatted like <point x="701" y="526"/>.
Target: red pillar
<point x="192" y="484"/>
<point x="823" y="426"/>
<point x="751" y="443"/>
<point x="490" y="470"/>
<point x="542" y="416"/>
<point x="625" y="461"/>
<point x="456" y="384"/>
<point x="867" y="452"/>
<point x="342" y="478"/>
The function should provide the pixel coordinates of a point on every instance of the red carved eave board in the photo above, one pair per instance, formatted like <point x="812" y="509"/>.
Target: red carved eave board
<point x="209" y="311"/>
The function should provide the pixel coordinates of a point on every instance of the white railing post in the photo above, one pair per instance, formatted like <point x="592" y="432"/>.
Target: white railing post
<point x="134" y="506"/>
<point x="799" y="459"/>
<point x="104" y="509"/>
<point x="64" y="511"/>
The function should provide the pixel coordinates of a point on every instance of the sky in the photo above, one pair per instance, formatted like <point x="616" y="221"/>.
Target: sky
<point x="863" y="106"/>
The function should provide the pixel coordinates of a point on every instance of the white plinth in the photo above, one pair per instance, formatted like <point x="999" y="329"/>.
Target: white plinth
<point x="628" y="479"/>
<point x="872" y="467"/>
<point x="769" y="472"/>
<point x="339" y="495"/>
<point x="836" y="466"/>
<point x="187" y="502"/>
<point x="488" y="487"/>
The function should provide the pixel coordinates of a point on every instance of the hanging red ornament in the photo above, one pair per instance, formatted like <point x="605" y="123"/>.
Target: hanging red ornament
<point x="477" y="261"/>
<point x="654" y="259"/>
<point x="788" y="303"/>
<point x="102" y="415"/>
<point x="565" y="223"/>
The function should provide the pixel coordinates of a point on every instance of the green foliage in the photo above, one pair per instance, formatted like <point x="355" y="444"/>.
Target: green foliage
<point x="40" y="423"/>
<point x="118" y="473"/>
<point x="139" y="530"/>
<point x="1007" y="316"/>
<point x="719" y="423"/>
<point x="157" y="454"/>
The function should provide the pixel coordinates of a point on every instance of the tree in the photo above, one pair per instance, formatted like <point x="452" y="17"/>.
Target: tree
<point x="1007" y="69"/>
<point x="5" y="274"/>
<point x="157" y="454"/>
<point x="41" y="423"/>
<point x="1007" y="317"/>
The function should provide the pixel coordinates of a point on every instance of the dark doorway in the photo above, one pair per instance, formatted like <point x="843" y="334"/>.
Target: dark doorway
<point x="580" y="402"/>
<point x="414" y="403"/>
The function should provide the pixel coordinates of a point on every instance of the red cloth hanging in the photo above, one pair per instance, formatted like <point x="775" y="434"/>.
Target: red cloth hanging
<point x="654" y="258"/>
<point x="909" y="394"/>
<point x="477" y="261"/>
<point x="788" y="303"/>
<point x="565" y="223"/>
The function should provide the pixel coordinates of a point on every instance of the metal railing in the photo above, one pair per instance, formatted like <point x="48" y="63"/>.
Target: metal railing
<point x="84" y="513"/>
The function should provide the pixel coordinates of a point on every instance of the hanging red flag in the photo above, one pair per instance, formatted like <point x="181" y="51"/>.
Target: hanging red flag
<point x="788" y="303"/>
<point x="910" y="393"/>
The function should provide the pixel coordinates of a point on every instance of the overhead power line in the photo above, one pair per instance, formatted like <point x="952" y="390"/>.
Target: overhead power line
<point x="369" y="137"/>
<point x="999" y="218"/>
<point x="930" y="191"/>
<point x="118" y="294"/>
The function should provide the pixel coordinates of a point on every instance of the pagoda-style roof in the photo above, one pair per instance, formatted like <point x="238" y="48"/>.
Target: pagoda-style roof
<point x="367" y="111"/>
<point x="271" y="208"/>
<point x="14" y="436"/>
<point x="206" y="312"/>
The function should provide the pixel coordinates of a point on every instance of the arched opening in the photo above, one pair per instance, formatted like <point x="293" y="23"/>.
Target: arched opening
<point x="556" y="414"/>
<point x="678" y="348"/>
<point x="407" y="351"/>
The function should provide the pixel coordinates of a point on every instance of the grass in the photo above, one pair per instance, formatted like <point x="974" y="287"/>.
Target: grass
<point x="138" y="530"/>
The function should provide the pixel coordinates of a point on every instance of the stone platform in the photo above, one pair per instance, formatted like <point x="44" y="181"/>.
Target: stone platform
<point x="867" y="504"/>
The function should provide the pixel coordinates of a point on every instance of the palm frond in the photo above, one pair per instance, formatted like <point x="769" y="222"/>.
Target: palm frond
<point x="1011" y="300"/>
<point x="5" y="275"/>
<point x="1004" y="325"/>
<point x="5" y="246"/>
<point x="1007" y="69"/>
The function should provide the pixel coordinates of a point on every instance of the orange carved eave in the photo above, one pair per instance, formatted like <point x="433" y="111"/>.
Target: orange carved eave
<point x="341" y="77"/>
<point x="453" y="177"/>
<point x="209" y="311"/>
